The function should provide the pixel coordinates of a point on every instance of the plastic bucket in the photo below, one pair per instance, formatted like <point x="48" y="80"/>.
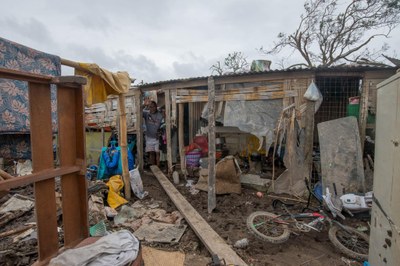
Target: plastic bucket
<point x="193" y="158"/>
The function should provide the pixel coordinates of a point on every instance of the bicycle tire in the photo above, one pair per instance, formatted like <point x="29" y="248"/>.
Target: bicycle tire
<point x="275" y="233"/>
<point x="358" y="246"/>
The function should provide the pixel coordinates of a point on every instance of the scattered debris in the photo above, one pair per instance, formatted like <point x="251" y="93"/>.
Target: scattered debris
<point x="255" y="182"/>
<point x="160" y="232"/>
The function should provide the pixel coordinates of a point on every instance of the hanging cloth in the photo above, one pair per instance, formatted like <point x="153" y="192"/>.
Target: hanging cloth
<point x="101" y="82"/>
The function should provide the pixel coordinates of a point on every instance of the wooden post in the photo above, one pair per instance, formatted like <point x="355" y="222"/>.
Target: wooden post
<point x="71" y="132"/>
<point x="362" y="124"/>
<point x="168" y="129"/>
<point x="182" y="139"/>
<point x="173" y="108"/>
<point x="42" y="158"/>
<point x="139" y="129"/>
<point x="123" y="145"/>
<point x="211" y="145"/>
<point x="309" y="136"/>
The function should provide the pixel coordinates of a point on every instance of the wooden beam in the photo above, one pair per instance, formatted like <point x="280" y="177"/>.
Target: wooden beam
<point x="42" y="158"/>
<point x="70" y="81"/>
<point x="173" y="108"/>
<point x="181" y="136"/>
<point x="123" y="144"/>
<point x="6" y="175"/>
<point x="309" y="136"/>
<point x="38" y="176"/>
<point x="168" y="129"/>
<point x="72" y="146"/>
<point x="139" y="129"/>
<point x="212" y="241"/>
<point x="24" y="76"/>
<point x="227" y="91"/>
<point x="212" y="202"/>
<point x="362" y="121"/>
<point x="238" y="97"/>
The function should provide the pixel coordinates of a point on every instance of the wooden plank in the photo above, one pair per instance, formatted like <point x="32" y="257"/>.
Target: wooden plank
<point x="70" y="81"/>
<point x="37" y="176"/>
<point x="173" y="108"/>
<point x="42" y="159"/>
<point x="309" y="136"/>
<point x="286" y="87"/>
<point x="139" y="129"/>
<point x="212" y="241"/>
<point x="239" y="97"/>
<point x="6" y="175"/>
<point x="364" y="113"/>
<point x="212" y="202"/>
<point x="245" y="89"/>
<point x="72" y="146"/>
<point x="181" y="136"/>
<point x="24" y="76"/>
<point x="123" y="139"/>
<point x="168" y="129"/>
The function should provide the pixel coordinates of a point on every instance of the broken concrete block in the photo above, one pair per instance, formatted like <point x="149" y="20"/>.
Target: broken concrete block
<point x="255" y="182"/>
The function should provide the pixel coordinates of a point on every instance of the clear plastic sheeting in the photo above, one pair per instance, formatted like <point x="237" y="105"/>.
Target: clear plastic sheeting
<point x="256" y="117"/>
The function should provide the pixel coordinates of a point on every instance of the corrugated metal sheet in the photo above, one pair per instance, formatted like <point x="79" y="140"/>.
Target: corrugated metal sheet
<point x="342" y="68"/>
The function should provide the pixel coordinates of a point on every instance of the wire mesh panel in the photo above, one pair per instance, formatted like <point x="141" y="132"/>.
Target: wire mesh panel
<point x="336" y="92"/>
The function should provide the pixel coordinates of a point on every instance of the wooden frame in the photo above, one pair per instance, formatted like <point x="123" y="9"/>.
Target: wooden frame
<point x="72" y="160"/>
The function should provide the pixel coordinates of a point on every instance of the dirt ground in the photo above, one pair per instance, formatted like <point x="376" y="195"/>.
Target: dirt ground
<point x="228" y="220"/>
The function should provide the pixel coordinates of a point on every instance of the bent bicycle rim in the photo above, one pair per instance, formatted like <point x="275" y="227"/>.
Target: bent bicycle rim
<point x="265" y="226"/>
<point x="349" y="241"/>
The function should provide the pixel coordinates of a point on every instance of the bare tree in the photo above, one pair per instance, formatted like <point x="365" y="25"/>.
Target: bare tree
<point x="234" y="62"/>
<point x="330" y="33"/>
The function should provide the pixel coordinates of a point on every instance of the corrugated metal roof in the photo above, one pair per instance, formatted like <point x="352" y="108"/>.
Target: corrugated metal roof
<point x="346" y="68"/>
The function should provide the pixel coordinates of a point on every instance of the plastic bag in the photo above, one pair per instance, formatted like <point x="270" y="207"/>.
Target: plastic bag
<point x="136" y="183"/>
<point x="313" y="94"/>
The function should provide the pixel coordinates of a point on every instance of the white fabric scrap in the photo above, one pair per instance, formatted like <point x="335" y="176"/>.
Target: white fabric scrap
<point x="118" y="248"/>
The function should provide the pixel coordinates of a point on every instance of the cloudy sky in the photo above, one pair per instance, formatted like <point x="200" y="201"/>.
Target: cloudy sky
<point x="153" y="40"/>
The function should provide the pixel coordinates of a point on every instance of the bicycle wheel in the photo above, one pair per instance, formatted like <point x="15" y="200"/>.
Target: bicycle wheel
<point x="350" y="241"/>
<point x="265" y="227"/>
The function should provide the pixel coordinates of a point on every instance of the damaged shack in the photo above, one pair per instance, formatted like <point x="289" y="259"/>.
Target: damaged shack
<point x="252" y="114"/>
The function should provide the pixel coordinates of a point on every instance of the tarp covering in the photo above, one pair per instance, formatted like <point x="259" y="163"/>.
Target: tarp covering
<point x="117" y="249"/>
<point x="256" y="117"/>
<point x="101" y="82"/>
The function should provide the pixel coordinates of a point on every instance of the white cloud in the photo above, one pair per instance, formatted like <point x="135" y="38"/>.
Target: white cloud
<point x="152" y="39"/>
